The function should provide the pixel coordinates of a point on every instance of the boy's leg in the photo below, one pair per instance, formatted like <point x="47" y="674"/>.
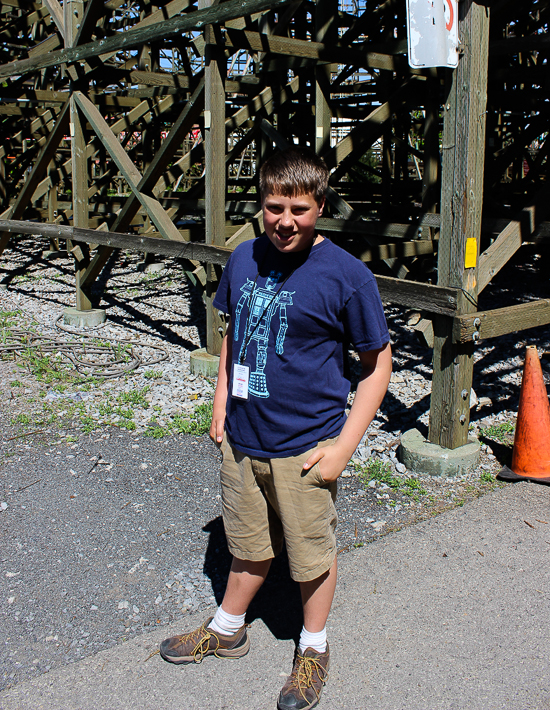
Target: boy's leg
<point x="245" y="579"/>
<point x="317" y="597"/>
<point x="225" y="634"/>
<point x="304" y="686"/>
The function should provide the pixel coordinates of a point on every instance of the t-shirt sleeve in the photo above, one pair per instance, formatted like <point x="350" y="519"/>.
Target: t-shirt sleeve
<point x="364" y="320"/>
<point x="222" y="298"/>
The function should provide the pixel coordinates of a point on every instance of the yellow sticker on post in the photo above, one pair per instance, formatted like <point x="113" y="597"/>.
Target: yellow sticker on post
<point x="470" y="257"/>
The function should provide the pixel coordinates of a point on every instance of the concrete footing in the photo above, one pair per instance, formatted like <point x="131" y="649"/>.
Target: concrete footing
<point x="421" y="456"/>
<point x="59" y="254"/>
<point x="202" y="363"/>
<point x="84" y="319"/>
<point x="151" y="267"/>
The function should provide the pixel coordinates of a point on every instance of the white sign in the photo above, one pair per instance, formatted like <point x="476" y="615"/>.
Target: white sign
<point x="432" y="28"/>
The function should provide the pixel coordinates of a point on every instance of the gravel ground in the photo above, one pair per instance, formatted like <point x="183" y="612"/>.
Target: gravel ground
<point x="86" y="566"/>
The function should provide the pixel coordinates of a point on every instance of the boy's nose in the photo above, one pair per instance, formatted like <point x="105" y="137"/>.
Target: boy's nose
<point x="286" y="218"/>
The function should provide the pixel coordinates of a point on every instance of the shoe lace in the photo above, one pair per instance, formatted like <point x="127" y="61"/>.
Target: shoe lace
<point x="303" y="674"/>
<point x="201" y="638"/>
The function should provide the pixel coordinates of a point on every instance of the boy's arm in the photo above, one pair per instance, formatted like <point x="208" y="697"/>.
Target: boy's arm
<point x="222" y="388"/>
<point x="373" y="383"/>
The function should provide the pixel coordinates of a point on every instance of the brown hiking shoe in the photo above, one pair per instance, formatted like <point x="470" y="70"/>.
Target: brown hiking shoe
<point x="194" y="646"/>
<point x="304" y="685"/>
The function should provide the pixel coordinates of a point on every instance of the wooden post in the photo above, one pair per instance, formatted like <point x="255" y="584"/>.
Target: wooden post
<point x="461" y="203"/>
<point x="73" y="12"/>
<point x="215" y="177"/>
<point x="431" y="148"/>
<point x="326" y="30"/>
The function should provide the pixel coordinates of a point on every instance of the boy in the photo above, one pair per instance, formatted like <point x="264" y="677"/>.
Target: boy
<point x="295" y="302"/>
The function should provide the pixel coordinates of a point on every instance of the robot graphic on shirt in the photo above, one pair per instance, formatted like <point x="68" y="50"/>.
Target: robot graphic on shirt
<point x="263" y="303"/>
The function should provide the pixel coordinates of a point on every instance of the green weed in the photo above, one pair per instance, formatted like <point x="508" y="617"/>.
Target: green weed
<point x="413" y="485"/>
<point x="379" y="471"/>
<point x="136" y="397"/>
<point x="127" y="413"/>
<point x="126" y="424"/>
<point x="197" y="424"/>
<point x="22" y="419"/>
<point x="153" y="374"/>
<point x="88" y="424"/>
<point x="498" y="432"/>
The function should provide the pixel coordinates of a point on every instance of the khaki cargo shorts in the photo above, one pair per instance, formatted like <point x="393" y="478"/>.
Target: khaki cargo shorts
<point x="268" y="500"/>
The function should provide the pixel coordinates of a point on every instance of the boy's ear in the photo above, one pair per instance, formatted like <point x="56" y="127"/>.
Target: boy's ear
<point x="321" y="206"/>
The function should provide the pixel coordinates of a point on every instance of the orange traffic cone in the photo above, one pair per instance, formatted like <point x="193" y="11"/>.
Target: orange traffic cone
<point x="531" y="455"/>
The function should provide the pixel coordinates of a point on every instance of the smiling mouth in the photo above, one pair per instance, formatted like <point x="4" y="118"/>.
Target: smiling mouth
<point x="284" y="237"/>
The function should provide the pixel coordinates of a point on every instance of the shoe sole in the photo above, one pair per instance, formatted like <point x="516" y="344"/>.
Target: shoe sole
<point x="307" y="707"/>
<point x="237" y="652"/>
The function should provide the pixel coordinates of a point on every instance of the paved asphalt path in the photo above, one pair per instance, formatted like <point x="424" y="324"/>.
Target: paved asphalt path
<point x="450" y="613"/>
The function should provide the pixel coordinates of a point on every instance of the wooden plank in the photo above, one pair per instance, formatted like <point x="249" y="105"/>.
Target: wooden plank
<point x="372" y="228"/>
<point x="514" y="45"/>
<point x="331" y="53"/>
<point x="362" y="136"/>
<point x="326" y="32"/>
<point x="48" y="45"/>
<point x="511" y="238"/>
<point x="131" y="174"/>
<point x="24" y="197"/>
<point x="56" y="12"/>
<point x="463" y="153"/>
<point x="131" y="39"/>
<point x="264" y="102"/>
<point x="501" y="321"/>
<point x="180" y="128"/>
<point x="439" y="300"/>
<point x="400" y="250"/>
<point x="163" y="247"/>
<point x="215" y="171"/>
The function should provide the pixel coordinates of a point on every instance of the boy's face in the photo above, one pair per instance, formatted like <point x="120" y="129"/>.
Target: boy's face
<point x="289" y="222"/>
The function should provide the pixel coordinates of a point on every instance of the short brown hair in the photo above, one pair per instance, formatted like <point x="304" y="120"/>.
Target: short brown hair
<point x="294" y="171"/>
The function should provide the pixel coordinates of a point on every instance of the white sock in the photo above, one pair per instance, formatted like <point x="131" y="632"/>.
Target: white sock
<point x="226" y="624"/>
<point x="317" y="641"/>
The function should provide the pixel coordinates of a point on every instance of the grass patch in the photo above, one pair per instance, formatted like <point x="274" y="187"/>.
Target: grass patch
<point x="153" y="374"/>
<point x="198" y="423"/>
<point x="381" y="471"/>
<point x="135" y="397"/>
<point x="502" y="433"/>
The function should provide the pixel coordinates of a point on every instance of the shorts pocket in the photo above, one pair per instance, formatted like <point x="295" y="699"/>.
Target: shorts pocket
<point x="316" y="476"/>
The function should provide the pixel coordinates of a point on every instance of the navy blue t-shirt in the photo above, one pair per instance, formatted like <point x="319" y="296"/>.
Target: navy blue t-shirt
<point x="293" y="317"/>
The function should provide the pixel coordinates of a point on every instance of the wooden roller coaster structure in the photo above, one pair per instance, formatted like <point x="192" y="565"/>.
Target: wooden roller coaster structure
<point x="140" y="124"/>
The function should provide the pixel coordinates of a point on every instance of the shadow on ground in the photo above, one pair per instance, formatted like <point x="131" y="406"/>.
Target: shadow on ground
<point x="278" y="603"/>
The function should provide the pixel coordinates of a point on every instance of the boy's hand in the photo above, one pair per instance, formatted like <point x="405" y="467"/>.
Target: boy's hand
<point x="332" y="461"/>
<point x="217" y="427"/>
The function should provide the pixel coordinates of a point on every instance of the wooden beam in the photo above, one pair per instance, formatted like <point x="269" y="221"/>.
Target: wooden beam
<point x="331" y="53"/>
<point x="131" y="39"/>
<point x="215" y="150"/>
<point x="463" y="152"/>
<point x="511" y="238"/>
<point x="425" y="297"/>
<point x="56" y="12"/>
<point x="362" y="136"/>
<point x="501" y="321"/>
<point x="131" y="174"/>
<point x="116" y="240"/>
<point x="24" y="197"/>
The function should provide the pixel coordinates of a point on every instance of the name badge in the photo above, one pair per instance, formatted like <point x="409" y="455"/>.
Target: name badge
<point x="239" y="384"/>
